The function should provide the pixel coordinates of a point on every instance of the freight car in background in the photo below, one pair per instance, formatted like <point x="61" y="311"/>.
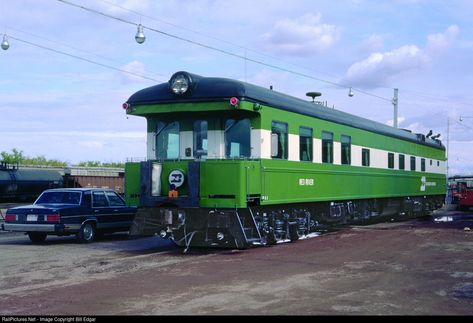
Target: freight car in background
<point x="231" y="164"/>
<point x="24" y="183"/>
<point x="460" y="191"/>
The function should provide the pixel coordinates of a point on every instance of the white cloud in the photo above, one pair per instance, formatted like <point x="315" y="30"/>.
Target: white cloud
<point x="374" y="43"/>
<point x="399" y="121"/>
<point x="439" y="42"/>
<point x="379" y="68"/>
<point x="302" y="36"/>
<point x="134" y="69"/>
<point x="91" y="144"/>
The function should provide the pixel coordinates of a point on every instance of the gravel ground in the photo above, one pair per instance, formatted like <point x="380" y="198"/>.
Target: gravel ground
<point x="419" y="267"/>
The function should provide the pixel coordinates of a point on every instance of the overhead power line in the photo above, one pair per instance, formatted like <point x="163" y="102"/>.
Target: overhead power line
<point x="225" y="41"/>
<point x="85" y="59"/>
<point x="223" y="51"/>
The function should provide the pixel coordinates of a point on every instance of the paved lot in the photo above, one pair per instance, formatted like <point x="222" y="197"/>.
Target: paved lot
<point x="420" y="267"/>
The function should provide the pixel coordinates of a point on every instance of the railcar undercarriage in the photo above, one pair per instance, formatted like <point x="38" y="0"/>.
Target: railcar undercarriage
<point x="269" y="225"/>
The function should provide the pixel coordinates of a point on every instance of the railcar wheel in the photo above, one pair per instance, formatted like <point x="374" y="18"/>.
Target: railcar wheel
<point x="293" y="232"/>
<point x="268" y="238"/>
<point x="37" y="237"/>
<point x="86" y="233"/>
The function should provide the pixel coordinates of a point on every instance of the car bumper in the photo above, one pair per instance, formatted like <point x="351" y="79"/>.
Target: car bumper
<point x="18" y="227"/>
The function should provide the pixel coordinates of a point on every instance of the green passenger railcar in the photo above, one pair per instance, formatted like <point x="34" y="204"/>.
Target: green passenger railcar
<point x="232" y="164"/>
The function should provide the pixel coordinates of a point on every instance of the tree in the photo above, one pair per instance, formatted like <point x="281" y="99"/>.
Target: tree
<point x="15" y="157"/>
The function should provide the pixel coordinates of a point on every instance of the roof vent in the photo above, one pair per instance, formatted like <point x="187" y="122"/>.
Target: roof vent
<point x="313" y="95"/>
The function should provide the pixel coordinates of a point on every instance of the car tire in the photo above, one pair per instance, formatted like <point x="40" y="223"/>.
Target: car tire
<point x="86" y="233"/>
<point x="37" y="237"/>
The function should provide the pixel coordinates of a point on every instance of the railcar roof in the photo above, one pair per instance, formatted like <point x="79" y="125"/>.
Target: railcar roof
<point x="205" y="89"/>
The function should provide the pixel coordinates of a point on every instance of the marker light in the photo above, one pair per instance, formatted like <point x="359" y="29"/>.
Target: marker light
<point x="180" y="83"/>
<point x="234" y="101"/>
<point x="125" y="105"/>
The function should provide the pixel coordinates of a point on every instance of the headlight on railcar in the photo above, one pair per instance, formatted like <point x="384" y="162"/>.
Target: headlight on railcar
<point x="180" y="83"/>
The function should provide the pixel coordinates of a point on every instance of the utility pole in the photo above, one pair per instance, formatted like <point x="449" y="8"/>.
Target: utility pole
<point x="395" y="102"/>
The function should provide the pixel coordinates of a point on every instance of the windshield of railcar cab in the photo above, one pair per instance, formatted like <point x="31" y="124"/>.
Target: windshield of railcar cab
<point x="237" y="138"/>
<point x="167" y="140"/>
<point x="59" y="197"/>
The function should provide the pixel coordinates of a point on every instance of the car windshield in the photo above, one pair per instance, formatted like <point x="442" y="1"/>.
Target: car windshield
<point x="59" y="197"/>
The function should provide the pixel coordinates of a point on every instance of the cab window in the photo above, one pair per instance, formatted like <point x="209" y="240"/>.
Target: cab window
<point x="200" y="138"/>
<point x="167" y="140"/>
<point x="237" y="138"/>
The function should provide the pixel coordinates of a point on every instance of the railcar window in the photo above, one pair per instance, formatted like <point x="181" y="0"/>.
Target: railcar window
<point x="200" y="138"/>
<point x="327" y="147"/>
<point x="305" y="144"/>
<point x="237" y="138"/>
<point x="390" y="160"/>
<point x="413" y="163"/>
<point x="279" y="130"/>
<point x="346" y="149"/>
<point x="422" y="164"/>
<point x="167" y="140"/>
<point x="365" y="157"/>
<point x="402" y="162"/>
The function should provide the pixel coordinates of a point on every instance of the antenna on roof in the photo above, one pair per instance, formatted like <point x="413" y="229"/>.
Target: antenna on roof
<point x="313" y="95"/>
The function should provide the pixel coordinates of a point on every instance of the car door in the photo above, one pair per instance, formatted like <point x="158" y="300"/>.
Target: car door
<point x="123" y="215"/>
<point x="102" y="210"/>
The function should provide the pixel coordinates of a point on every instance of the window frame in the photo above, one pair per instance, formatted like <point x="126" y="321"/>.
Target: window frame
<point x="199" y="138"/>
<point x="227" y="143"/>
<point x="283" y="144"/>
<point x="327" y="148"/>
<point x="347" y="159"/>
<point x="391" y="160"/>
<point x="365" y="157"/>
<point x="402" y="162"/>
<point x="310" y="148"/>
<point x="413" y="163"/>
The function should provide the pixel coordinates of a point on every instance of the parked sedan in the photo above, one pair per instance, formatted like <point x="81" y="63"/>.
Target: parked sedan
<point x="84" y="212"/>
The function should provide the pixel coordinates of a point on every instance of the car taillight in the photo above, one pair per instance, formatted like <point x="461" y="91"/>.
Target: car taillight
<point x="10" y="217"/>
<point x="52" y="218"/>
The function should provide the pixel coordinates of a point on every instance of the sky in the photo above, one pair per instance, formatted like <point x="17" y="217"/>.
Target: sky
<point x="72" y="64"/>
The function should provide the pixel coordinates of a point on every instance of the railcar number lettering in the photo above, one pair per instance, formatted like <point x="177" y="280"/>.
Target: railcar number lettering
<point x="306" y="181"/>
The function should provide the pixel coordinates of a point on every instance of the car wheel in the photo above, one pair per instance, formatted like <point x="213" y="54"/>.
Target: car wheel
<point x="37" y="237"/>
<point x="86" y="233"/>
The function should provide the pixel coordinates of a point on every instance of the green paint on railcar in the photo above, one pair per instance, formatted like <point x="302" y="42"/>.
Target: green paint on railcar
<point x="229" y="184"/>
<point x="132" y="183"/>
<point x="292" y="182"/>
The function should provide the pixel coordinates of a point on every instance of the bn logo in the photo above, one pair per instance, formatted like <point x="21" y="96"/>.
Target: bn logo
<point x="176" y="178"/>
